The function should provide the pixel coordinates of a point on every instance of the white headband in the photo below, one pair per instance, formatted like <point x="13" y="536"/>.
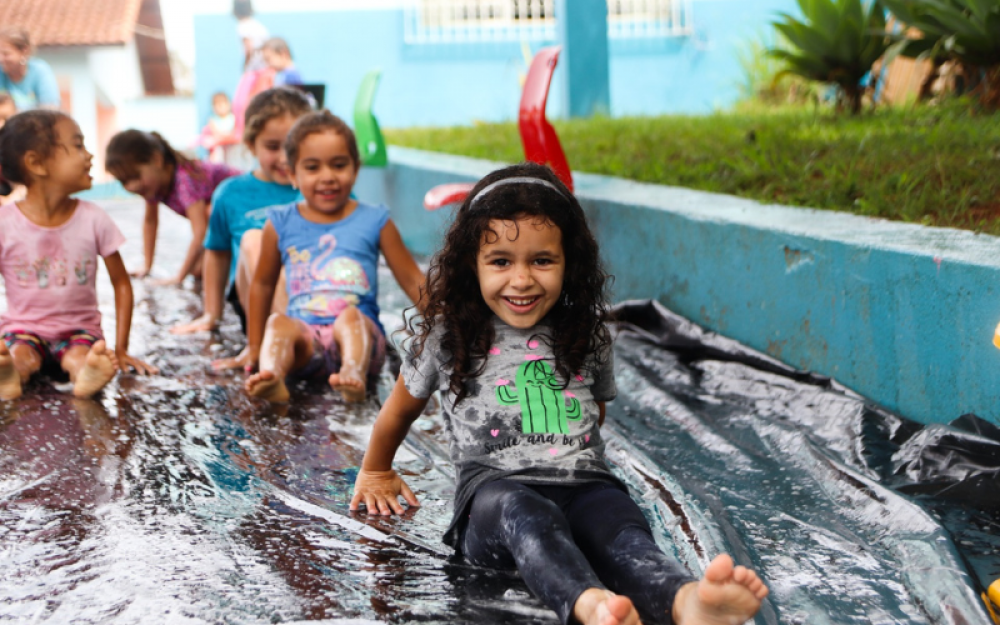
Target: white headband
<point x="516" y="179"/>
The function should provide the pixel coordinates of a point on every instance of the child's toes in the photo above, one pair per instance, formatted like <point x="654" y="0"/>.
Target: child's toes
<point x="98" y="369"/>
<point x="352" y="388"/>
<point x="10" y="379"/>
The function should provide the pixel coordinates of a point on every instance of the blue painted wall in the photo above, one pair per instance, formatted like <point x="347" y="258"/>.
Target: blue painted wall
<point x="450" y="84"/>
<point x="900" y="313"/>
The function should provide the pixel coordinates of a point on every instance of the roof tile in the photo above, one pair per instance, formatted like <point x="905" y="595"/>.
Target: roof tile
<point x="73" y="22"/>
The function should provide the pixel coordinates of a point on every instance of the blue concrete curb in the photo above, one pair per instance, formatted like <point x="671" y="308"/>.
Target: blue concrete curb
<point x="106" y="191"/>
<point x="902" y="314"/>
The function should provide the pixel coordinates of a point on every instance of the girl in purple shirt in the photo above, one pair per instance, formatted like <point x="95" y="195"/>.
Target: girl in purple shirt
<point x="148" y="166"/>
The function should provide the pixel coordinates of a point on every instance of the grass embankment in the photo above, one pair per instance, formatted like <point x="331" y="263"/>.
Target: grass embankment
<point x="932" y="165"/>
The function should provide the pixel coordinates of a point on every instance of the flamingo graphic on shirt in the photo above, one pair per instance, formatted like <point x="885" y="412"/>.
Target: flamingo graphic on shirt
<point x="324" y="285"/>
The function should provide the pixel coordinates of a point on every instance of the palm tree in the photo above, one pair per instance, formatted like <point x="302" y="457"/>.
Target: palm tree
<point x="837" y="42"/>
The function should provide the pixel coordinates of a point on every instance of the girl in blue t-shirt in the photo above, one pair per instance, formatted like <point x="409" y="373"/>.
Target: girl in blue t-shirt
<point x="513" y="335"/>
<point x="232" y="243"/>
<point x="328" y="245"/>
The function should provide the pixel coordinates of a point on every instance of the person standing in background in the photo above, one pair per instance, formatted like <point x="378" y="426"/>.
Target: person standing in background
<point x="252" y="34"/>
<point x="278" y="57"/>
<point x="256" y="77"/>
<point x="29" y="81"/>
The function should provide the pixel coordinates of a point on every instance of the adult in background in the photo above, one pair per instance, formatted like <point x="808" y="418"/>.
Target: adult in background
<point x="252" y="34"/>
<point x="29" y="81"/>
<point x="256" y="77"/>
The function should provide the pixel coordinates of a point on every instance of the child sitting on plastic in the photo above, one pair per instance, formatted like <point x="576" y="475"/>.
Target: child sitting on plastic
<point x="148" y="166"/>
<point x="513" y="335"/>
<point x="232" y="245"/>
<point x="49" y="244"/>
<point x="329" y="245"/>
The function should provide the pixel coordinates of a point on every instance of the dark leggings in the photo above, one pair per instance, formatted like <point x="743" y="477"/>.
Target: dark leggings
<point x="566" y="539"/>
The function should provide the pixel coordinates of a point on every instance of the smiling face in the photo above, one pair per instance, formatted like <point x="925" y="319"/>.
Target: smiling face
<point x="69" y="163"/>
<point x="12" y="60"/>
<point x="268" y="147"/>
<point x="520" y="267"/>
<point x="148" y="180"/>
<point x="325" y="173"/>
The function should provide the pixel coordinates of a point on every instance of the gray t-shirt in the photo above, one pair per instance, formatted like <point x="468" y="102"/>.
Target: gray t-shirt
<point x="519" y="421"/>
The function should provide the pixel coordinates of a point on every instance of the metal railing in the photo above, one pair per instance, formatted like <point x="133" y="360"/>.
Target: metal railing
<point x="644" y="19"/>
<point x="444" y="21"/>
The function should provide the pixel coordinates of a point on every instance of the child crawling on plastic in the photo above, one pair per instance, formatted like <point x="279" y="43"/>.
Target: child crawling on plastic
<point x="513" y="335"/>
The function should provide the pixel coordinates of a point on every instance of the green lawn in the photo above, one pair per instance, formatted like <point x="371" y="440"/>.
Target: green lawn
<point x="931" y="165"/>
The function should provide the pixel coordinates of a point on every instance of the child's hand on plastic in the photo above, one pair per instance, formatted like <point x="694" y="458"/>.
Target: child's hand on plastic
<point x="174" y="281"/>
<point x="139" y="273"/>
<point x="204" y="323"/>
<point x="128" y="363"/>
<point x="380" y="491"/>
<point x="246" y="360"/>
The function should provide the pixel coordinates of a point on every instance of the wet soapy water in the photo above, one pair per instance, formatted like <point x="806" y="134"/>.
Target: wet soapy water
<point x="177" y="499"/>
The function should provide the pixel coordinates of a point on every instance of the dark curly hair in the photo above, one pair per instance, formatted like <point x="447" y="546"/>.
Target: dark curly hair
<point x="30" y="131"/>
<point x="453" y="298"/>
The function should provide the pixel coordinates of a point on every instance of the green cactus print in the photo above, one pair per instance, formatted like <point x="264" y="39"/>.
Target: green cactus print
<point x="543" y="403"/>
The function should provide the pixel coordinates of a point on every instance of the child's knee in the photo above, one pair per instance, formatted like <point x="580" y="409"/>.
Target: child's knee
<point x="514" y="503"/>
<point x="250" y="242"/>
<point x="279" y="324"/>
<point x="350" y="317"/>
<point x="351" y="314"/>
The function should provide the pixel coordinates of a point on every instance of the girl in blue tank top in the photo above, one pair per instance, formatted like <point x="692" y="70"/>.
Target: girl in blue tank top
<point x="328" y="244"/>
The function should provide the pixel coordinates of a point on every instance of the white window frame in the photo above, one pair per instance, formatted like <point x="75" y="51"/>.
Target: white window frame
<point x="449" y="21"/>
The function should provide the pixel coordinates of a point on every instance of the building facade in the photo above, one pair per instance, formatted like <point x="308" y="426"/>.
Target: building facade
<point x="448" y="62"/>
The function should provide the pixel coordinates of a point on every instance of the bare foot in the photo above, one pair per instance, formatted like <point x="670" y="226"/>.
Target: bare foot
<point x="350" y="386"/>
<point x="597" y="606"/>
<point x="100" y="366"/>
<point x="726" y="595"/>
<point x="10" y="379"/>
<point x="266" y="385"/>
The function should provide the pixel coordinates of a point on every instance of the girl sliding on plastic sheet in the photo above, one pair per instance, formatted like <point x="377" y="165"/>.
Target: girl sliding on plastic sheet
<point x="513" y="335"/>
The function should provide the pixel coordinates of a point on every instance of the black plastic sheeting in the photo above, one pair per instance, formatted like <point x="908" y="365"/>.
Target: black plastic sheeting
<point x="177" y="499"/>
<point x="950" y="472"/>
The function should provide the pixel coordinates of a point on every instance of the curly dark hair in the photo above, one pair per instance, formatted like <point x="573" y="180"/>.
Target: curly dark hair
<point x="453" y="299"/>
<point x="30" y="131"/>
<point x="316" y="122"/>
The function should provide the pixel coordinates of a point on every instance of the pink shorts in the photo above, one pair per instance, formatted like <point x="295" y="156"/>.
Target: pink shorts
<point x="326" y="357"/>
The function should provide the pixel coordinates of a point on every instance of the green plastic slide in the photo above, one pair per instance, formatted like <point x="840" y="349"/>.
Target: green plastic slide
<point x="369" y="135"/>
